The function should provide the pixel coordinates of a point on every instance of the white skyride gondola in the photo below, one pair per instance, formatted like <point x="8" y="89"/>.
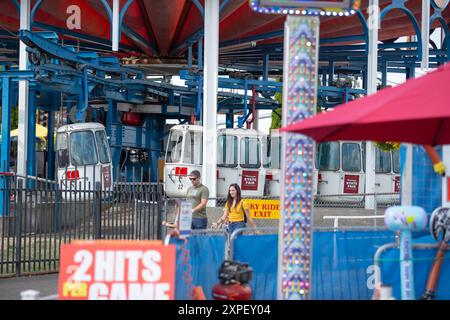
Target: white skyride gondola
<point x="83" y="157"/>
<point x="239" y="160"/>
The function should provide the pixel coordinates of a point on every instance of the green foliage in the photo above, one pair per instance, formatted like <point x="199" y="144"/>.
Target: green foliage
<point x="14" y="117"/>
<point x="387" y="146"/>
<point x="276" y="114"/>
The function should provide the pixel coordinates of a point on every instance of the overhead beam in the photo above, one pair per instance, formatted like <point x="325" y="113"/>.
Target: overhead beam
<point x="148" y="24"/>
<point x="138" y="41"/>
<point x="76" y="35"/>
<point x="180" y="25"/>
<point x="199" y="7"/>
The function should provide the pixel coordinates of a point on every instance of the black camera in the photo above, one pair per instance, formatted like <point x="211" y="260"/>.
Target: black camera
<point x="232" y="272"/>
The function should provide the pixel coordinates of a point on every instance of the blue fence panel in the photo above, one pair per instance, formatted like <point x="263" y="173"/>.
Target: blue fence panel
<point x="426" y="184"/>
<point x="423" y="259"/>
<point x="206" y="254"/>
<point x="261" y="253"/>
<point x="340" y="263"/>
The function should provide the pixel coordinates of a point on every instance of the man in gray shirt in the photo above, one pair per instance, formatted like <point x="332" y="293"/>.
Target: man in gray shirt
<point x="198" y="195"/>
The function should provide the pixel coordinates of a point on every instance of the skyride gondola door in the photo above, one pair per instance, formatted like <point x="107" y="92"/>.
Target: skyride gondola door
<point x="384" y="177"/>
<point x="329" y="173"/>
<point x="227" y="163"/>
<point x="252" y="175"/>
<point x="351" y="173"/>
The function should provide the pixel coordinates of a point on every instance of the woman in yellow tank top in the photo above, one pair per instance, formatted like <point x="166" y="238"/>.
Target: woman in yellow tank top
<point x="236" y="211"/>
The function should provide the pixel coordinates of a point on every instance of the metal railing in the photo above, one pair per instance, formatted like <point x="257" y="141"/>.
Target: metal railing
<point x="356" y="200"/>
<point x="336" y="219"/>
<point x="39" y="215"/>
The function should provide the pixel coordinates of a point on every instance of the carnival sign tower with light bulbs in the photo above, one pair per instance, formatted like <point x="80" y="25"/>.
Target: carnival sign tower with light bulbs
<point x="300" y="67"/>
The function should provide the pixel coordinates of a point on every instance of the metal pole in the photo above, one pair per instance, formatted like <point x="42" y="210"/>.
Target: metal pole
<point x="210" y="96"/>
<point x="5" y="154"/>
<point x="190" y="56"/>
<point x="425" y="32"/>
<point x="372" y="70"/>
<point x="200" y="53"/>
<point x="406" y="174"/>
<point x="115" y="25"/>
<point x="31" y="133"/>
<point x="22" y="143"/>
<point x="50" y="143"/>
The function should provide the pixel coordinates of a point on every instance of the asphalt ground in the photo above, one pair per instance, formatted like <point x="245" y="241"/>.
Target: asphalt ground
<point x="10" y="288"/>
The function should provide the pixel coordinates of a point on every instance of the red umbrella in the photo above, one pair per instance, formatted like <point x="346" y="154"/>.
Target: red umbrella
<point x="417" y="111"/>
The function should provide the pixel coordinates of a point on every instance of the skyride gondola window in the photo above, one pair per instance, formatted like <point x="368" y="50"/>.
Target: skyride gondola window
<point x="193" y="146"/>
<point x="272" y="153"/>
<point x="227" y="151"/>
<point x="62" y="150"/>
<point x="174" y="147"/>
<point x="82" y="148"/>
<point x="351" y="157"/>
<point x="396" y="161"/>
<point x="250" y="151"/>
<point x="103" y="148"/>
<point x="328" y="156"/>
<point x="382" y="161"/>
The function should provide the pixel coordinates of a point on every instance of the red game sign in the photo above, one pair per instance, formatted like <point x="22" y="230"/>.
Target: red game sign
<point x="351" y="183"/>
<point x="117" y="270"/>
<point x="249" y="180"/>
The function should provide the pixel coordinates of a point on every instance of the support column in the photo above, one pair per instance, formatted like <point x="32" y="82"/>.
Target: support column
<point x="200" y="53"/>
<point x="115" y="25"/>
<point x="330" y="72"/>
<point x="372" y="71"/>
<point x="190" y="56"/>
<point x="6" y="143"/>
<point x="425" y="33"/>
<point x="210" y="96"/>
<point x="22" y="143"/>
<point x="383" y="73"/>
<point x="229" y="120"/>
<point x="50" y="141"/>
<point x="31" y="161"/>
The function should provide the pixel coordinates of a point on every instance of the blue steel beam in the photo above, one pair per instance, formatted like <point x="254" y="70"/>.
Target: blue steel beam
<point x="199" y="7"/>
<point x="50" y="141"/>
<point x="223" y="5"/>
<point x="6" y="143"/>
<point x="107" y="8"/>
<point x="122" y="14"/>
<point x="35" y="9"/>
<point x="139" y="41"/>
<point x="191" y="39"/>
<point x="17" y="5"/>
<point x="400" y="4"/>
<point x="81" y="36"/>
